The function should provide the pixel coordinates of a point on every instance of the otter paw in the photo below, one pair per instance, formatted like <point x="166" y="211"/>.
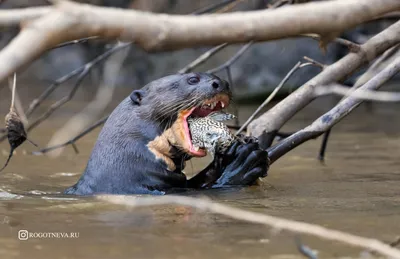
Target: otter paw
<point x="243" y="165"/>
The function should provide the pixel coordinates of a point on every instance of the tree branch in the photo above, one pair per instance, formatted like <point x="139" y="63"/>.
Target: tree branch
<point x="156" y="32"/>
<point x="329" y="119"/>
<point x="12" y="17"/>
<point x="276" y="117"/>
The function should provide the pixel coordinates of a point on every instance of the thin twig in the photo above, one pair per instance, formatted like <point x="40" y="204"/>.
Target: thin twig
<point x="313" y="62"/>
<point x="232" y="59"/>
<point x="74" y="139"/>
<point x="81" y="71"/>
<point x="73" y="42"/>
<point x="271" y="96"/>
<point x="372" y="70"/>
<point x="202" y="58"/>
<point x="36" y="102"/>
<point x="96" y="107"/>
<point x="369" y="95"/>
<point x="16" y="101"/>
<point x="258" y="218"/>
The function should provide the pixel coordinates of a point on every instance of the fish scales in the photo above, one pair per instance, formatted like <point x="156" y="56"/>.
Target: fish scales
<point x="210" y="133"/>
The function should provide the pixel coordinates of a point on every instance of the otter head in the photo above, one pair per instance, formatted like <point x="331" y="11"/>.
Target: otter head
<point x="171" y="100"/>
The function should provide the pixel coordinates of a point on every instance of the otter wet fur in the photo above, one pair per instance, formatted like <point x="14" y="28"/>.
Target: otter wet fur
<point x="145" y="142"/>
<point x="209" y="132"/>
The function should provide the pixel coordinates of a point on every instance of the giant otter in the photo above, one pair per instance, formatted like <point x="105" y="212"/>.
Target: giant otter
<point x="144" y="144"/>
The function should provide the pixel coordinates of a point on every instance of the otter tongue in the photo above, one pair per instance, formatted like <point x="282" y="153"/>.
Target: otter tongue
<point x="199" y="112"/>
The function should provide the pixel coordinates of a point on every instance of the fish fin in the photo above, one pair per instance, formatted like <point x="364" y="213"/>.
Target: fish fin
<point x="221" y="116"/>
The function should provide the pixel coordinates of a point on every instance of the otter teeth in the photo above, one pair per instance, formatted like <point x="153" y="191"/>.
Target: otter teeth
<point x="211" y="106"/>
<point x="196" y="148"/>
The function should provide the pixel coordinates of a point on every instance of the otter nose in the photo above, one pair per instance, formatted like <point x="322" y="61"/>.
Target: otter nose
<point x="220" y="85"/>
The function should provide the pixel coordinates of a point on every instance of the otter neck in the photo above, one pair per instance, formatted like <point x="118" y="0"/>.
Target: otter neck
<point x="163" y="148"/>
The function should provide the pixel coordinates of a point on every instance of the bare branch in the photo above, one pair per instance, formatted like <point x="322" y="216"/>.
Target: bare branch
<point x="156" y="32"/>
<point x="361" y="94"/>
<point x="203" y="58"/>
<point x="272" y="120"/>
<point x="258" y="218"/>
<point x="12" y="17"/>
<point x="375" y="67"/>
<point x="329" y="119"/>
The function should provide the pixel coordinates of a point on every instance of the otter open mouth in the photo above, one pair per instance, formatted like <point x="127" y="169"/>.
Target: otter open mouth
<point x="208" y="106"/>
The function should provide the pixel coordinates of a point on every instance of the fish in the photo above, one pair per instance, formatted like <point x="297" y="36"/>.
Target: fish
<point x="210" y="133"/>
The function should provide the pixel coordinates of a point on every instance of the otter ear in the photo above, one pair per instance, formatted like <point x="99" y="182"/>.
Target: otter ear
<point x="136" y="96"/>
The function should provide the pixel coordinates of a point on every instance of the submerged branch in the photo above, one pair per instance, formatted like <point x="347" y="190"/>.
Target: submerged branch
<point x="258" y="218"/>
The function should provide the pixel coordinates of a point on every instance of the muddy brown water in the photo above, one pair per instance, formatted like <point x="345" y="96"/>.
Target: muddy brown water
<point x="356" y="190"/>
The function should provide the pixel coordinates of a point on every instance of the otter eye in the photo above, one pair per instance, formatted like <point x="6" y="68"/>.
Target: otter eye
<point x="193" y="80"/>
